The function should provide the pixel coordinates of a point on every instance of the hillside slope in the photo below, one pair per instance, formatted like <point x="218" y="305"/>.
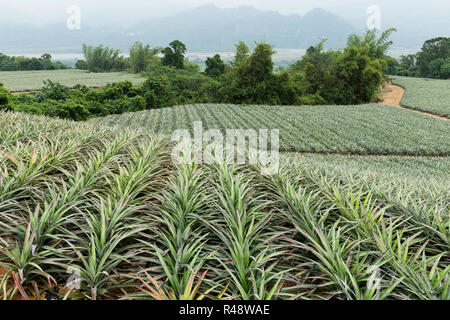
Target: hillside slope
<point x="210" y="28"/>
<point x="207" y="28"/>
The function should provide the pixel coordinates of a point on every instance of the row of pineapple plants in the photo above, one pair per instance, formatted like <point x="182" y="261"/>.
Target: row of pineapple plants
<point x="110" y="207"/>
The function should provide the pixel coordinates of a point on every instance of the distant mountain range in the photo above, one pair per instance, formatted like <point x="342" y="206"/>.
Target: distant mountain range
<point x="209" y="27"/>
<point x="212" y="29"/>
<point x="206" y="28"/>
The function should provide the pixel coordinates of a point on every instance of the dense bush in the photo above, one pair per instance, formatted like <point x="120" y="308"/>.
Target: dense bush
<point x="81" y="103"/>
<point x="5" y="98"/>
<point x="58" y="109"/>
<point x="171" y="86"/>
<point x="53" y="91"/>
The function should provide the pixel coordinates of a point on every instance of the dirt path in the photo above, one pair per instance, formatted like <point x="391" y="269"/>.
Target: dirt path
<point x="392" y="96"/>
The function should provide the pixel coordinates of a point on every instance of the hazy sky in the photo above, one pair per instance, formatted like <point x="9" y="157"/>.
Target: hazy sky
<point x="121" y="11"/>
<point x="127" y="12"/>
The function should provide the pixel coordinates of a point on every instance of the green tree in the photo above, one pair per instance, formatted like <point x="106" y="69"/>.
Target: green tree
<point x="46" y="62"/>
<point x="174" y="55"/>
<point x="433" y="49"/>
<point x="215" y="66"/>
<point x="445" y="69"/>
<point x="408" y="62"/>
<point x="377" y="46"/>
<point x="104" y="59"/>
<point x="81" y="65"/>
<point x="242" y="53"/>
<point x="142" y="56"/>
<point x="251" y="80"/>
<point x="54" y="91"/>
<point x="46" y="56"/>
<point x="23" y="64"/>
<point x="359" y="76"/>
<point x="261" y="63"/>
<point x="317" y="71"/>
<point x="439" y="68"/>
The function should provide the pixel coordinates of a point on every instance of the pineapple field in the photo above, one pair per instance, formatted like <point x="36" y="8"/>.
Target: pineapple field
<point x="171" y="160"/>
<point x="428" y="95"/>
<point x="98" y="210"/>
<point x="18" y="81"/>
<point x="359" y="130"/>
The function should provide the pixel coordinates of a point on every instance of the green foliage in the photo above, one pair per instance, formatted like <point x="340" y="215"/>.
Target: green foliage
<point x="360" y="77"/>
<point x="215" y="66"/>
<point x="255" y="75"/>
<point x="5" y="98"/>
<point x="353" y="76"/>
<point x="317" y="74"/>
<point x="110" y="205"/>
<point x="377" y="47"/>
<point x="81" y="65"/>
<point x="433" y="61"/>
<point x="406" y="67"/>
<point x="143" y="57"/>
<point x="53" y="91"/>
<point x="165" y="86"/>
<point x="251" y="79"/>
<point x="440" y="68"/>
<point x="260" y="65"/>
<point x="242" y="53"/>
<point x="19" y="63"/>
<point x="81" y="103"/>
<point x="434" y="54"/>
<point x="54" y="108"/>
<point x="104" y="59"/>
<point x="170" y="86"/>
<point x="174" y="55"/>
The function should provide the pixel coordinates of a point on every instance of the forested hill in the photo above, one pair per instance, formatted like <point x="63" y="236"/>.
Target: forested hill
<point x="206" y="28"/>
<point x="210" y="28"/>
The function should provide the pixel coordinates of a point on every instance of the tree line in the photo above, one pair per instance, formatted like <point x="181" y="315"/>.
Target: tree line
<point x="353" y="75"/>
<point x="433" y="61"/>
<point x="21" y="63"/>
<point x="350" y="76"/>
